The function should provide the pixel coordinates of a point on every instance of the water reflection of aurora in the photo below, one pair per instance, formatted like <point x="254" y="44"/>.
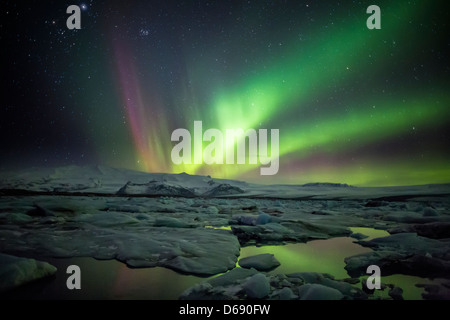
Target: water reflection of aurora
<point x="114" y="280"/>
<point x="327" y="256"/>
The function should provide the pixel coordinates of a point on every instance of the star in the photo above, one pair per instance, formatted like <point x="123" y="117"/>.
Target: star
<point x="143" y="32"/>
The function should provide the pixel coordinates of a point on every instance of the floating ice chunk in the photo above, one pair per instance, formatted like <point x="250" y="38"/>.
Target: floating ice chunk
<point x="429" y="212"/>
<point x="257" y="286"/>
<point x="261" y="262"/>
<point x="319" y="292"/>
<point x="212" y="210"/>
<point x="15" y="271"/>
<point x="284" y="294"/>
<point x="263" y="218"/>
<point x="170" y="222"/>
<point x="223" y="189"/>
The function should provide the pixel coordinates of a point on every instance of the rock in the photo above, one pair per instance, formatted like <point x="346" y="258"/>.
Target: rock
<point x="278" y="203"/>
<point x="201" y="291"/>
<point x="260" y="262"/>
<point x="170" y="222"/>
<point x="154" y="188"/>
<point x="351" y="280"/>
<point x="212" y="210"/>
<point x="241" y="283"/>
<point x="358" y="236"/>
<point x="406" y="243"/>
<point x="247" y="220"/>
<point x="15" y="271"/>
<point x="199" y="251"/>
<point x="432" y="230"/>
<point x="253" y="208"/>
<point x="40" y="211"/>
<point x="223" y="189"/>
<point x="320" y="213"/>
<point x="318" y="292"/>
<point x="106" y="219"/>
<point x="376" y="203"/>
<point x="409" y="217"/>
<point x="396" y="293"/>
<point x="429" y="212"/>
<point x="227" y="286"/>
<point x="19" y="218"/>
<point x="231" y="277"/>
<point x="284" y="294"/>
<point x="256" y="234"/>
<point x="128" y="208"/>
<point x="365" y="288"/>
<point x="257" y="286"/>
<point x="263" y="218"/>
<point x="326" y="184"/>
<point x="435" y="292"/>
<point x="310" y="277"/>
<point x="245" y="229"/>
<point x="347" y="290"/>
<point x="403" y="263"/>
<point x="277" y="229"/>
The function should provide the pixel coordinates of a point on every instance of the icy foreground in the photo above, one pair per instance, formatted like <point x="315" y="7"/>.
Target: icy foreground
<point x="174" y="221"/>
<point x="16" y="271"/>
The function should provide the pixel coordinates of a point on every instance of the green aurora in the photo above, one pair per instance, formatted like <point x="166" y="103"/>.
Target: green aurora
<point x="352" y="105"/>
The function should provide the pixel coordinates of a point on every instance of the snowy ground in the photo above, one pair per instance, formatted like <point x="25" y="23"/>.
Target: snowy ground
<point x="197" y="225"/>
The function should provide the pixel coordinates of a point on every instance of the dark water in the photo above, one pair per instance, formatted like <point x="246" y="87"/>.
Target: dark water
<point x="114" y="280"/>
<point x="108" y="279"/>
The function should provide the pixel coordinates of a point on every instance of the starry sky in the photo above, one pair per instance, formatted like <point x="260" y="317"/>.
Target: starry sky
<point x="353" y="105"/>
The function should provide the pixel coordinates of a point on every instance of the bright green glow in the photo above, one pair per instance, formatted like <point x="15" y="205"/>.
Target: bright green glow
<point x="375" y="174"/>
<point x="317" y="89"/>
<point x="324" y="256"/>
<point x="407" y="283"/>
<point x="306" y="72"/>
<point x="327" y="256"/>
<point x="280" y="91"/>
<point x="336" y="134"/>
<point x="386" y="119"/>
<point x="370" y="233"/>
<point x="219" y="228"/>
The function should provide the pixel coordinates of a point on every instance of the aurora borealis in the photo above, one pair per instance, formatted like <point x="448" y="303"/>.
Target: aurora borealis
<point x="357" y="106"/>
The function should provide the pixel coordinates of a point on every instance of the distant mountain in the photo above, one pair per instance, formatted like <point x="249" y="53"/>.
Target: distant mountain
<point x="327" y="184"/>
<point x="102" y="180"/>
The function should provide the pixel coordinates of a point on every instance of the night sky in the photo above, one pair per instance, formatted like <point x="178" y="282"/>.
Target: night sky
<point x="353" y="105"/>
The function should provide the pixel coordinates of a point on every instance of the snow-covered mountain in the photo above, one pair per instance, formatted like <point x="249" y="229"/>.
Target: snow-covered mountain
<point x="111" y="181"/>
